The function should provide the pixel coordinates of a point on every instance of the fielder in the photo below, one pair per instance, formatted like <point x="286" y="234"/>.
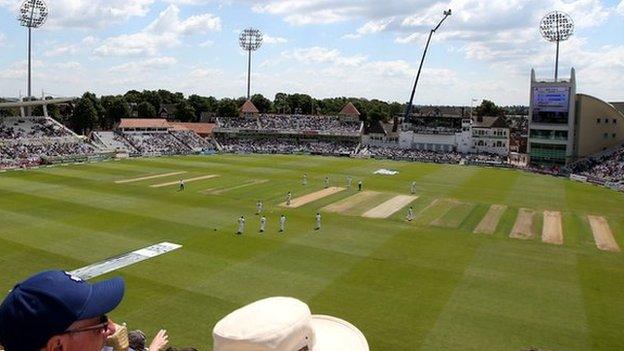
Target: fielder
<point x="181" y="186"/>
<point x="318" y="221"/>
<point x="359" y="185"/>
<point x="304" y="181"/>
<point x="262" y="224"/>
<point x="259" y="206"/>
<point x="282" y="223"/>
<point x="326" y="182"/>
<point x="413" y="188"/>
<point x="288" y="198"/>
<point x="410" y="214"/>
<point x="241" y="225"/>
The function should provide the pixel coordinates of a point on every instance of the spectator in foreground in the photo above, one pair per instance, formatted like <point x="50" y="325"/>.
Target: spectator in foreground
<point x="137" y="340"/>
<point x="54" y="310"/>
<point x="284" y="324"/>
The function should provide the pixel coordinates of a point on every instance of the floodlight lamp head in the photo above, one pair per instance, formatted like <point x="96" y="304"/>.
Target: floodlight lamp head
<point x="557" y="26"/>
<point x="250" y="39"/>
<point x="447" y="13"/>
<point x="33" y="13"/>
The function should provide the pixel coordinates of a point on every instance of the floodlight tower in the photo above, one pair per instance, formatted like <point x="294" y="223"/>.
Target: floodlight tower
<point x="557" y="27"/>
<point x="250" y="40"/>
<point x="32" y="14"/>
<point x="408" y="110"/>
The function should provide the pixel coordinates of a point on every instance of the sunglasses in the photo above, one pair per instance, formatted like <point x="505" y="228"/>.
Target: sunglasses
<point x="102" y="326"/>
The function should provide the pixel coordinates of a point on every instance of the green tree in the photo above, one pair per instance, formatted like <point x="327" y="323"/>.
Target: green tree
<point x="153" y="98"/>
<point x="84" y="117"/>
<point x="146" y="110"/>
<point x="262" y="104"/>
<point x="227" y="108"/>
<point x="184" y="111"/>
<point x="488" y="108"/>
<point x="116" y="108"/>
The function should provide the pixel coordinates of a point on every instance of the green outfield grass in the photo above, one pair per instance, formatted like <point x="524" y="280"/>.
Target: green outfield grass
<point x="407" y="286"/>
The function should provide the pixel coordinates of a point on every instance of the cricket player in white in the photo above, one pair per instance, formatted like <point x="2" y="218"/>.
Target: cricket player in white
<point x="410" y="214"/>
<point x="181" y="187"/>
<point x="318" y="221"/>
<point x="262" y="224"/>
<point x="241" y="225"/>
<point x="259" y="207"/>
<point x="359" y="185"/>
<point x="413" y="188"/>
<point x="304" y="181"/>
<point x="288" y="198"/>
<point x="282" y="223"/>
<point x="326" y="182"/>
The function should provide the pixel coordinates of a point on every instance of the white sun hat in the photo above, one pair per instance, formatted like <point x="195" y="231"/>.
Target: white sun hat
<point x="284" y="324"/>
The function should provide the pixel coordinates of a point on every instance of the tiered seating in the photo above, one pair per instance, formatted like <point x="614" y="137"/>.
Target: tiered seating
<point x="287" y="146"/>
<point x="162" y="143"/>
<point x="31" y="128"/>
<point x="192" y="140"/>
<point x="34" y="140"/>
<point x="114" y="142"/>
<point x="322" y="124"/>
<point x="608" y="167"/>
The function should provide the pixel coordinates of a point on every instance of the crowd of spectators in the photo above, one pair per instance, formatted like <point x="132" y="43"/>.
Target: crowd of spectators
<point x="287" y="146"/>
<point x="237" y="123"/>
<point x="414" y="155"/>
<point x="30" y="128"/>
<point x="606" y="168"/>
<point x="25" y="153"/>
<point x="26" y="142"/>
<point x="326" y="124"/>
<point x="293" y="123"/>
<point x="162" y="143"/>
<point x="431" y="156"/>
<point x="192" y="140"/>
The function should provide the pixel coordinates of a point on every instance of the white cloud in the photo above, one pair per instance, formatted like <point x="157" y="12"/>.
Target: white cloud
<point x="318" y="54"/>
<point x="140" y="66"/>
<point x="164" y="32"/>
<point x="370" y="27"/>
<point x="62" y="50"/>
<point x="274" y="40"/>
<point x="206" y="43"/>
<point x="620" y="8"/>
<point x="89" y="14"/>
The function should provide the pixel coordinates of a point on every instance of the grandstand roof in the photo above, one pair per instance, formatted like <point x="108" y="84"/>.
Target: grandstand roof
<point x="249" y="107"/>
<point x="143" y="123"/>
<point x="350" y="110"/>
<point x="199" y="128"/>
<point x="619" y="106"/>
<point x="490" y="122"/>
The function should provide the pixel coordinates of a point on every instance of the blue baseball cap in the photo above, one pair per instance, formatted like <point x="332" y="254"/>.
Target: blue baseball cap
<point x="47" y="303"/>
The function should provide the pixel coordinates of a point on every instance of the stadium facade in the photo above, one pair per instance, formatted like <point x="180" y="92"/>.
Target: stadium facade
<point x="565" y="126"/>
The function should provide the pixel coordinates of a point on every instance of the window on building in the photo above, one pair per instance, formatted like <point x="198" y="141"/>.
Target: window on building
<point x="613" y="135"/>
<point x="606" y="135"/>
<point x="598" y="120"/>
<point x="614" y="121"/>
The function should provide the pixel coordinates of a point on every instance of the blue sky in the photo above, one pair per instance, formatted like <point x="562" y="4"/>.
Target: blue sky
<point x="363" y="48"/>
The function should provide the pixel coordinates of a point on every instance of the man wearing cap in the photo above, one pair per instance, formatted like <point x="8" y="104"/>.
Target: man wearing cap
<point x="54" y="310"/>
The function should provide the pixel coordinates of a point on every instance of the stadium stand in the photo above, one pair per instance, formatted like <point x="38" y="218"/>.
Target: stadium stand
<point x="113" y="141"/>
<point x="607" y="167"/>
<point x="27" y="142"/>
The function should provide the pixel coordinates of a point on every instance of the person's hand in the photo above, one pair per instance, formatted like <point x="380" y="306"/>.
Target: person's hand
<point x="160" y="341"/>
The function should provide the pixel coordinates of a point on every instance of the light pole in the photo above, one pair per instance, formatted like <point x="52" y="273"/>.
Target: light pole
<point x="32" y="14"/>
<point x="250" y="40"/>
<point x="408" y="110"/>
<point x="557" y="27"/>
